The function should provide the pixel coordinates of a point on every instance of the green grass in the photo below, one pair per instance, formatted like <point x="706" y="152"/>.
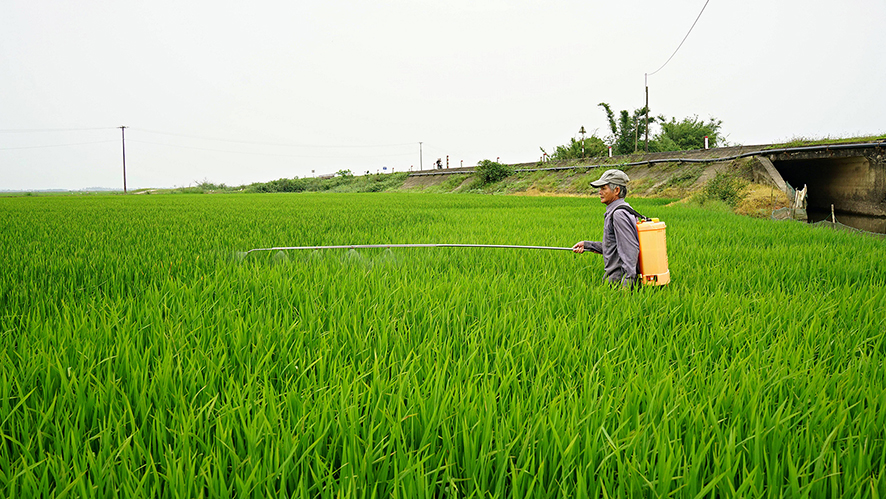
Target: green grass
<point x="451" y="183"/>
<point x="141" y="358"/>
<point x="808" y="141"/>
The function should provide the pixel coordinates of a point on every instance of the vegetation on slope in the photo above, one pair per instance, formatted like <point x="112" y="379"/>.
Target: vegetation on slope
<point x="344" y="181"/>
<point x="806" y="141"/>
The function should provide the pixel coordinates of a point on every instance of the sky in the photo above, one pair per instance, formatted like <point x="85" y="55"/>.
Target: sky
<point x="241" y="92"/>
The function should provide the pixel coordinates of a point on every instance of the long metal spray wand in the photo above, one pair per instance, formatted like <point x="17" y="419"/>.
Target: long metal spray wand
<point x="361" y="246"/>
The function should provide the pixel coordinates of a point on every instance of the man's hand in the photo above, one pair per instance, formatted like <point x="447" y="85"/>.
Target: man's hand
<point x="579" y="247"/>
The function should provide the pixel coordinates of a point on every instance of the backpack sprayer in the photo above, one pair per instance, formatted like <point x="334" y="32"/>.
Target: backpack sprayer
<point x="653" y="250"/>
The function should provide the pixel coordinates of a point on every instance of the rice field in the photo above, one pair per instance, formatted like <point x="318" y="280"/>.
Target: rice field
<point x="141" y="357"/>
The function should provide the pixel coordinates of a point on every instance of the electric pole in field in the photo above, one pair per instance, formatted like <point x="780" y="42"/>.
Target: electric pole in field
<point x="646" y="75"/>
<point x="420" y="164"/>
<point x="123" y="138"/>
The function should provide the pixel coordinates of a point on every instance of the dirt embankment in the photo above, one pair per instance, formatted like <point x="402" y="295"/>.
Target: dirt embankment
<point x="676" y="180"/>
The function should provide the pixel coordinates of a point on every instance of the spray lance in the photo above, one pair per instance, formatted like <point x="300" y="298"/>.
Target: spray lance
<point x="653" y="261"/>
<point x="364" y="246"/>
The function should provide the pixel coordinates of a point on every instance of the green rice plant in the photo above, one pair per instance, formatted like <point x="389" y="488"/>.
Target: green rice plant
<point x="141" y="357"/>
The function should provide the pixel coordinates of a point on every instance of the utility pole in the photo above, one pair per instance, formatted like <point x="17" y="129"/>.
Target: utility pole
<point x="420" y="164"/>
<point x="123" y="138"/>
<point x="646" y="82"/>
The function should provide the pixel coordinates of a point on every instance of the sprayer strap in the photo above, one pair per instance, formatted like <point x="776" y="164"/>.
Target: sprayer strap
<point x="631" y="211"/>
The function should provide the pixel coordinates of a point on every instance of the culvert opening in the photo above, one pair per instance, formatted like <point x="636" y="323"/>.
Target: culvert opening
<point x="847" y="183"/>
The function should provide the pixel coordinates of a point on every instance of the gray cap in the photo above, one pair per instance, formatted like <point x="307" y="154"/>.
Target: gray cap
<point x="616" y="177"/>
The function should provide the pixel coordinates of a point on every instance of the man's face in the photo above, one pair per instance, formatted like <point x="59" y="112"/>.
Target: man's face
<point x="608" y="195"/>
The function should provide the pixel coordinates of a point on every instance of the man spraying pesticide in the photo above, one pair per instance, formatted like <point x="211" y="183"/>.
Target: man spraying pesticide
<point x="623" y="262"/>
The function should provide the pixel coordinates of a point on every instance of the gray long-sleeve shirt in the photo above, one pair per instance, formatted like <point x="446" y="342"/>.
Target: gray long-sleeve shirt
<point x="620" y="246"/>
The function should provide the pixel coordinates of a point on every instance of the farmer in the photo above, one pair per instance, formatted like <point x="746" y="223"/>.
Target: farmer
<point x="620" y="246"/>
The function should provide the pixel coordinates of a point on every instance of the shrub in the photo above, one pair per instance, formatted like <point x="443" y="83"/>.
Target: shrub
<point x="725" y="187"/>
<point x="593" y="146"/>
<point x="490" y="171"/>
<point x="688" y="134"/>
<point x="206" y="185"/>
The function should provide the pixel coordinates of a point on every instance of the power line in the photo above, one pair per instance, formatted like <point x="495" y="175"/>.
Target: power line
<point x="681" y="43"/>
<point x="57" y="145"/>
<point x="38" y="130"/>
<point x="256" y="153"/>
<point x="237" y="141"/>
<point x="646" y="76"/>
<point x="438" y="148"/>
<point x="217" y="139"/>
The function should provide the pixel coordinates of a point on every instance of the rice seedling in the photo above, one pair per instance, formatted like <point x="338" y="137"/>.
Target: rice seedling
<point x="141" y="356"/>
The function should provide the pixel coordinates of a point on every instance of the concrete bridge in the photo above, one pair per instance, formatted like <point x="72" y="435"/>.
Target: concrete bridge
<point x="852" y="178"/>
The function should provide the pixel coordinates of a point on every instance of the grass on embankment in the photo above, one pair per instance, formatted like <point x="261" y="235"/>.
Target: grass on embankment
<point x="661" y="180"/>
<point x="808" y="141"/>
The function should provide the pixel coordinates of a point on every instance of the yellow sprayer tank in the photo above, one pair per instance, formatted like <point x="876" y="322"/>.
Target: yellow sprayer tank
<point x="653" y="253"/>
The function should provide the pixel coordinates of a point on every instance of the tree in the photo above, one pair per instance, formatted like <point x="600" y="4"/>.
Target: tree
<point x="629" y="130"/>
<point x="593" y="146"/>
<point x="490" y="171"/>
<point x="688" y="134"/>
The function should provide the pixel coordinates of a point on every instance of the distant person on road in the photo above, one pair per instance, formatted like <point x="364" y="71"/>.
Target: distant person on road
<point x="620" y="246"/>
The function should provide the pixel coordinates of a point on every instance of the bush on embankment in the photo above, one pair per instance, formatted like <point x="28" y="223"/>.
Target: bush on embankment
<point x="339" y="183"/>
<point x="342" y="183"/>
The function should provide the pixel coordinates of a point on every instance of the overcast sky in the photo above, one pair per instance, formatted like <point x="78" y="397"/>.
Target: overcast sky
<point x="241" y="92"/>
